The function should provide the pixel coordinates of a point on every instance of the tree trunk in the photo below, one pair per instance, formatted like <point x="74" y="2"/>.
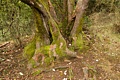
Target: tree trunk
<point x="50" y="41"/>
<point x="76" y="32"/>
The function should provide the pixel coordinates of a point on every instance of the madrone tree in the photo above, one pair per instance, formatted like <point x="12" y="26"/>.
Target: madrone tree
<point x="58" y="33"/>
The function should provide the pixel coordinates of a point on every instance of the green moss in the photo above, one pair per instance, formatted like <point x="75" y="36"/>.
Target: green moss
<point x="61" y="51"/>
<point x="78" y="42"/>
<point x="49" y="58"/>
<point x="49" y="54"/>
<point x="44" y="50"/>
<point x="57" y="39"/>
<point x="79" y="29"/>
<point x="29" y="50"/>
<point x="37" y="72"/>
<point x="48" y="61"/>
<point x="32" y="63"/>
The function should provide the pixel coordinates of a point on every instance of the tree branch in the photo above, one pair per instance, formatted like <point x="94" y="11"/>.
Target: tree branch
<point x="71" y="5"/>
<point x="80" y="9"/>
<point x="52" y="11"/>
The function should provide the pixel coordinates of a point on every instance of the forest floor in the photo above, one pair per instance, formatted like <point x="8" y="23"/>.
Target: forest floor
<point x="101" y="61"/>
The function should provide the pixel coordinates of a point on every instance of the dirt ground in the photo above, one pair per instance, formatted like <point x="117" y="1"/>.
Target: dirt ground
<point x="99" y="61"/>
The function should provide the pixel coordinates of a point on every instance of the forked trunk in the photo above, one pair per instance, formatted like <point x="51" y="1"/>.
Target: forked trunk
<point x="52" y="32"/>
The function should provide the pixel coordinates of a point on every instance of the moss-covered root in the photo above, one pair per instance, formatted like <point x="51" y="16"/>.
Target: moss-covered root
<point x="29" y="50"/>
<point x="77" y="42"/>
<point x="71" y="53"/>
<point x="46" y="55"/>
<point x="43" y="56"/>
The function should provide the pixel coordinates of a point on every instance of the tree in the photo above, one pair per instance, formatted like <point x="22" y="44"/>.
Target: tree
<point x="14" y="26"/>
<point x="58" y="26"/>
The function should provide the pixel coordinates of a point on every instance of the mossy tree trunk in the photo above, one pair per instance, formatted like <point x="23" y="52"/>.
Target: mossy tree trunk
<point x="56" y="27"/>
